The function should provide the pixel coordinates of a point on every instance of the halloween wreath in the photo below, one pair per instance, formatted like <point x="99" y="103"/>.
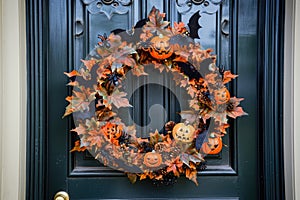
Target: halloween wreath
<point x="98" y="95"/>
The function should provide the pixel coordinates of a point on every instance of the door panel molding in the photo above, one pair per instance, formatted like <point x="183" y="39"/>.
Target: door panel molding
<point x="271" y="67"/>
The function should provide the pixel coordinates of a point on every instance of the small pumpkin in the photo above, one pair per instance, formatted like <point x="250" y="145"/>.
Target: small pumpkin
<point x="222" y="96"/>
<point x="112" y="132"/>
<point x="213" y="145"/>
<point x="152" y="159"/>
<point x="160" y="47"/>
<point x="184" y="133"/>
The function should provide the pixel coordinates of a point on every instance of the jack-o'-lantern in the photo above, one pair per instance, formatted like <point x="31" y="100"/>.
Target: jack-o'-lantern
<point x="184" y="133"/>
<point x="213" y="145"/>
<point x="112" y="132"/>
<point x="152" y="159"/>
<point x="160" y="47"/>
<point x="222" y="96"/>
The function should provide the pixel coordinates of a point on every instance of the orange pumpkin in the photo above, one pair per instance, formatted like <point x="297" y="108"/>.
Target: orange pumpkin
<point x="213" y="146"/>
<point x="152" y="159"/>
<point x="160" y="47"/>
<point x="222" y="96"/>
<point x="184" y="133"/>
<point x="112" y="132"/>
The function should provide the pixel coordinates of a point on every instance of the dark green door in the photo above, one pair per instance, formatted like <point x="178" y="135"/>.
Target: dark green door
<point x="69" y="30"/>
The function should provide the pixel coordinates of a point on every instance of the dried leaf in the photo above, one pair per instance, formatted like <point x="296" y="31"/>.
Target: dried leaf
<point x="156" y="137"/>
<point x="89" y="63"/>
<point x="72" y="73"/>
<point x="138" y="70"/>
<point x="77" y="147"/>
<point x="227" y="76"/>
<point x="189" y="116"/>
<point x="132" y="177"/>
<point x="80" y="129"/>
<point x="118" y="99"/>
<point x="237" y="112"/>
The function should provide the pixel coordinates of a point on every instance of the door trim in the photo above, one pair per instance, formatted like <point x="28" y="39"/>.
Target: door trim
<point x="270" y="65"/>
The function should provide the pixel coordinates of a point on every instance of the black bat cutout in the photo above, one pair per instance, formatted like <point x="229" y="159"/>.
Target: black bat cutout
<point x="133" y="37"/>
<point x="194" y="25"/>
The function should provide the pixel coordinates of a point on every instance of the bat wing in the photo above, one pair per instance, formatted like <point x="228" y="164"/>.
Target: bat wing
<point x="194" y="25"/>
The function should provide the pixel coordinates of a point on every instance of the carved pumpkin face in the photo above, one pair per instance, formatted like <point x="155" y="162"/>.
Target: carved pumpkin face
<point x="183" y="133"/>
<point x="152" y="159"/>
<point x="222" y="96"/>
<point x="112" y="131"/>
<point x="213" y="146"/>
<point x="160" y="47"/>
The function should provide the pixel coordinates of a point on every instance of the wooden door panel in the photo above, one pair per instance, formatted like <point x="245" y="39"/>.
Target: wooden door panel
<point x="92" y="19"/>
<point x="60" y="33"/>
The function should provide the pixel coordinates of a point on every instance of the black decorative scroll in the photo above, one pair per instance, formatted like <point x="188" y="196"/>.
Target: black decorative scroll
<point x="108" y="7"/>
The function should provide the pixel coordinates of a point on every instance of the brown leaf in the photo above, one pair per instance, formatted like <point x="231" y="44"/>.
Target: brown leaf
<point x="227" y="76"/>
<point x="77" y="147"/>
<point x="80" y="129"/>
<point x="89" y="63"/>
<point x="132" y="177"/>
<point x="72" y="73"/>
<point x="73" y="83"/>
<point x="189" y="115"/>
<point x="138" y="70"/>
<point x="156" y="137"/>
<point x="237" y="112"/>
<point x="118" y="99"/>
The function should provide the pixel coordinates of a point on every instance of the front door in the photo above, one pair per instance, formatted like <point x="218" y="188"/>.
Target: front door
<point x="69" y="31"/>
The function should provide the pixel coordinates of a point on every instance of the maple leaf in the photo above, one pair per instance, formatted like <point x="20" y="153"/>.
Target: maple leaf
<point x="227" y="76"/>
<point x="89" y="63"/>
<point x="198" y="54"/>
<point x="81" y="129"/>
<point x="211" y="78"/>
<point x="156" y="137"/>
<point x="156" y="22"/>
<point x="192" y="91"/>
<point x="80" y="101"/>
<point x="179" y="77"/>
<point x="105" y="114"/>
<point x="194" y="103"/>
<point x="179" y="28"/>
<point x="86" y="75"/>
<point x="191" y="174"/>
<point x="72" y="73"/>
<point x="146" y="35"/>
<point x="118" y="99"/>
<point x="236" y="112"/>
<point x="181" y="58"/>
<point x="92" y="124"/>
<point x="174" y="166"/>
<point x="189" y="116"/>
<point x="132" y="177"/>
<point x="77" y="147"/>
<point x="73" y="83"/>
<point x="138" y="70"/>
<point x="158" y="66"/>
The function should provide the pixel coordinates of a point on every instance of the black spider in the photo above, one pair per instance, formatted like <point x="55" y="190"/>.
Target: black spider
<point x="113" y="80"/>
<point x="104" y="41"/>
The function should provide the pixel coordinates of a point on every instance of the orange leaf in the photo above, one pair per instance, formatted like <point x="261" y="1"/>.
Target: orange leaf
<point x="118" y="99"/>
<point x="138" y="70"/>
<point x="72" y="73"/>
<point x="89" y="63"/>
<point x="80" y="129"/>
<point x="237" y="112"/>
<point x="73" y="83"/>
<point x="77" y="147"/>
<point x="228" y="76"/>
